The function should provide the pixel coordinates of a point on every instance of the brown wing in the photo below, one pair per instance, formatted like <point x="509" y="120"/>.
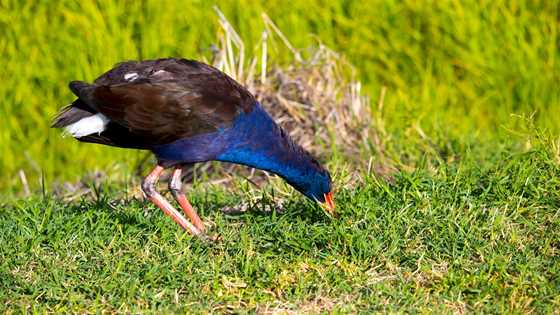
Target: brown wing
<point x="176" y="99"/>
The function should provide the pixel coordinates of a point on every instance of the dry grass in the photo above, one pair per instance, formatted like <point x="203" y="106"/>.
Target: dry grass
<point x="318" y="305"/>
<point x="314" y="99"/>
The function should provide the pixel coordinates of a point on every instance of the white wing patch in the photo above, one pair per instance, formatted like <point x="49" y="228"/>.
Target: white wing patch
<point x="162" y="75"/>
<point x="160" y="72"/>
<point x="87" y="126"/>
<point x="131" y="76"/>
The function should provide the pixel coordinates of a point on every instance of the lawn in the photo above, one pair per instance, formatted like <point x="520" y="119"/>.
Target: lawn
<point x="469" y="236"/>
<point x="437" y="119"/>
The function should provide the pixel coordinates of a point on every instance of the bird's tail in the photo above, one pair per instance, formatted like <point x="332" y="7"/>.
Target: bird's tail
<point x="71" y="114"/>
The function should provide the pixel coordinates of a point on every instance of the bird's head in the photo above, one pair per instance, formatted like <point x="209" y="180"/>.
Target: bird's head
<point x="321" y="191"/>
<point x="316" y="185"/>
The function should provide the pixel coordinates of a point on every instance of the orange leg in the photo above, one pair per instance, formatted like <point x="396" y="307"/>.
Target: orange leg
<point x="175" y="186"/>
<point x="149" y="188"/>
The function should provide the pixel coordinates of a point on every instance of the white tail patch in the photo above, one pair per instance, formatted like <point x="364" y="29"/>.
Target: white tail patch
<point x="87" y="126"/>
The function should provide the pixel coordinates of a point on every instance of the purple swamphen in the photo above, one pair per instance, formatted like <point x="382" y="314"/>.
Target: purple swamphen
<point x="185" y="111"/>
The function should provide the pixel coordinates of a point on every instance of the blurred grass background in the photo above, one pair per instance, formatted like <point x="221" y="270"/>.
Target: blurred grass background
<point x="455" y="71"/>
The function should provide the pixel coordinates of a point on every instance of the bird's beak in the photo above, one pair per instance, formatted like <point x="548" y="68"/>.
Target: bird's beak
<point x="328" y="205"/>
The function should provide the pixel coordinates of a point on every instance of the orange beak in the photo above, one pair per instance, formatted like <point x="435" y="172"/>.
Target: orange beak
<point x="328" y="205"/>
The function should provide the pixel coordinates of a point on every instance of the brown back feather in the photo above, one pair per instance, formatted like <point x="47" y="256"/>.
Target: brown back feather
<point x="169" y="100"/>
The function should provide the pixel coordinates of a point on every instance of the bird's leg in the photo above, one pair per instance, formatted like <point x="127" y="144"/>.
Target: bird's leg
<point x="149" y="188"/>
<point x="175" y="186"/>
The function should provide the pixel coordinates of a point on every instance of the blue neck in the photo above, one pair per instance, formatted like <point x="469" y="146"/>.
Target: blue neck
<point x="255" y="140"/>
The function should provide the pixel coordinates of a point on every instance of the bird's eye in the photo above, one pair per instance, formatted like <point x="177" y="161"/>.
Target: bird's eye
<point x="314" y="162"/>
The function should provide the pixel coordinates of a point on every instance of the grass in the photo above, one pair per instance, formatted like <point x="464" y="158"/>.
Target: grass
<point x="447" y="181"/>
<point x="467" y="237"/>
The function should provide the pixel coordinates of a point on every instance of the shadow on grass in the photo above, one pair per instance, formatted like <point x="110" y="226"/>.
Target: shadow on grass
<point x="302" y="210"/>
<point x="137" y="212"/>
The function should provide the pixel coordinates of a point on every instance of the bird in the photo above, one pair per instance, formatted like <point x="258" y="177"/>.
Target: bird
<point x="184" y="112"/>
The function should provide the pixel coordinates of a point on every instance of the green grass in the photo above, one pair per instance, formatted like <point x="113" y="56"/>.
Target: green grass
<point x="464" y="219"/>
<point x="471" y="236"/>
